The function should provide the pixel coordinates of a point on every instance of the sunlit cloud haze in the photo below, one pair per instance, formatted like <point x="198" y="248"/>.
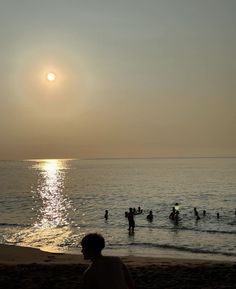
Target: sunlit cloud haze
<point x="134" y="78"/>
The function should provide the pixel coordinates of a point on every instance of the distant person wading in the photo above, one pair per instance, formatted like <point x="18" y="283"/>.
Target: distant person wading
<point x="130" y="216"/>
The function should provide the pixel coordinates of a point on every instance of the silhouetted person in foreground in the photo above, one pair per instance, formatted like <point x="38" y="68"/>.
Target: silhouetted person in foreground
<point x="104" y="272"/>
<point x="218" y="215"/>
<point x="204" y="213"/>
<point x="106" y="215"/>
<point x="131" y="220"/>
<point x="195" y="211"/>
<point x="150" y="216"/>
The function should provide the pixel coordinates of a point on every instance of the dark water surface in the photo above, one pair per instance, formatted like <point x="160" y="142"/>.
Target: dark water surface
<point x="51" y="204"/>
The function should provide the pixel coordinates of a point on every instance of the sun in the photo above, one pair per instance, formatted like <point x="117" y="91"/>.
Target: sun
<point x="51" y="76"/>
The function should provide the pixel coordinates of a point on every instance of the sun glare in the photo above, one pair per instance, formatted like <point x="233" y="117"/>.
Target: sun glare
<point x="51" y="76"/>
<point x="55" y="205"/>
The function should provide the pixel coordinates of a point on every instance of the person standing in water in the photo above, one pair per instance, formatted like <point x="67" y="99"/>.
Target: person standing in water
<point x="197" y="216"/>
<point x="150" y="216"/>
<point x="131" y="220"/>
<point x="172" y="214"/>
<point x="106" y="215"/>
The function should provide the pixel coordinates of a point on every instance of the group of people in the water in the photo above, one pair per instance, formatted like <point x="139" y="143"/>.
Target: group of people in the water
<point x="134" y="211"/>
<point x="174" y="215"/>
<point x="130" y="216"/>
<point x="196" y="214"/>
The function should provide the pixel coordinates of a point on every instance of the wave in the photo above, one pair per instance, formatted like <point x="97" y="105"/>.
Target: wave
<point x="182" y="228"/>
<point x="14" y="225"/>
<point x="209" y="231"/>
<point x="176" y="248"/>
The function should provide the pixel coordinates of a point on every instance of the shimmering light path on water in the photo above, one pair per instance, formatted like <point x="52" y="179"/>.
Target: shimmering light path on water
<point x="51" y="204"/>
<point x="55" y="205"/>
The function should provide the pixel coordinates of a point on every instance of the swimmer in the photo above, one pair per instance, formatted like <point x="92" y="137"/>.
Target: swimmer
<point x="150" y="216"/>
<point x="106" y="215"/>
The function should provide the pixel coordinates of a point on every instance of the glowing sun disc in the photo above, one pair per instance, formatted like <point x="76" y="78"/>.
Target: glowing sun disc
<point x="51" y="76"/>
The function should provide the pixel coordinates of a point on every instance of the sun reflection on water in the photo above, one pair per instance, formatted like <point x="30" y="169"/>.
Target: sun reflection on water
<point x="55" y="206"/>
<point x="53" y="229"/>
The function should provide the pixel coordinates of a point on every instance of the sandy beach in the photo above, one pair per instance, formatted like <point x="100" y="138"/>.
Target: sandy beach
<point x="30" y="268"/>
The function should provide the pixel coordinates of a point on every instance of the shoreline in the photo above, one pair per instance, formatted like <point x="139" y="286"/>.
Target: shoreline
<point x="31" y="268"/>
<point x="13" y="254"/>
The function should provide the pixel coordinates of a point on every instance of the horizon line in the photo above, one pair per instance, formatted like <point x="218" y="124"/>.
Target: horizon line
<point x="120" y="158"/>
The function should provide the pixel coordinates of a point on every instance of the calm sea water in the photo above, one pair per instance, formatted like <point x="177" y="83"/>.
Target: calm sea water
<point x="52" y="204"/>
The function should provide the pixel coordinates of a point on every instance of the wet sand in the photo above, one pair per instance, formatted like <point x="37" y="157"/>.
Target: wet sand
<point x="34" y="269"/>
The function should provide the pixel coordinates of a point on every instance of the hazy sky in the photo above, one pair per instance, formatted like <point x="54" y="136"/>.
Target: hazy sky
<point x="134" y="78"/>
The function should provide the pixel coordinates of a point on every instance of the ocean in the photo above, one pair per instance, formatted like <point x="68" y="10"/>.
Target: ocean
<point x="52" y="204"/>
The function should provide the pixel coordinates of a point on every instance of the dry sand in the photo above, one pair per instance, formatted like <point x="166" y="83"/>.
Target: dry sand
<point x="34" y="269"/>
